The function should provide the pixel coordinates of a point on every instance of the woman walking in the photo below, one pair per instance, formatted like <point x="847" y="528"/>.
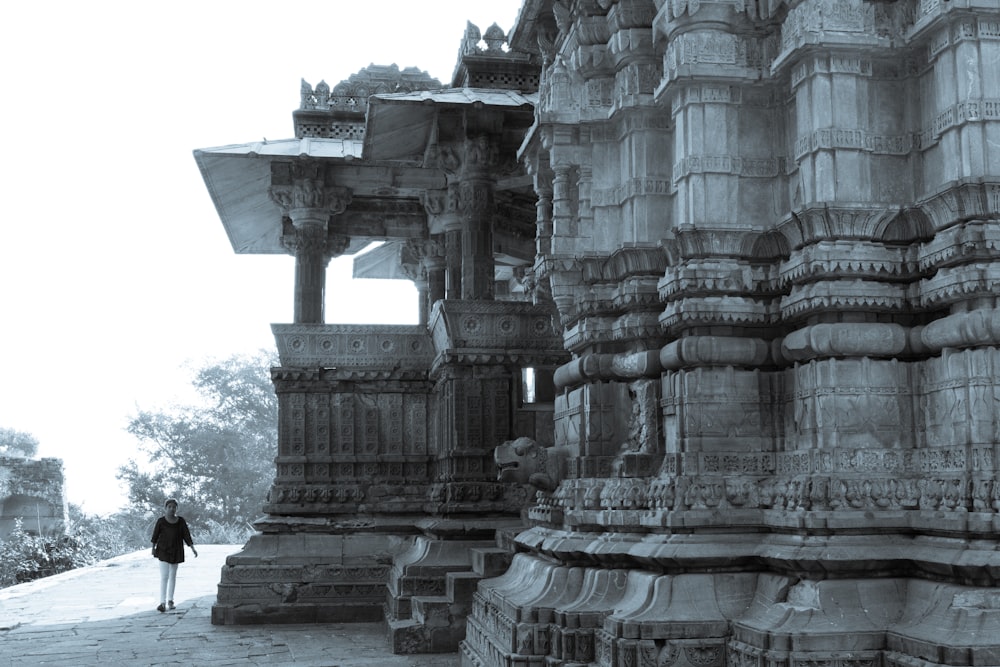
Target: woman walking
<point x="169" y="537"/>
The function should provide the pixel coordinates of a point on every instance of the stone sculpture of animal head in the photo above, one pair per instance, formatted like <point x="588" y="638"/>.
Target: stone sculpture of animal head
<point x="524" y="461"/>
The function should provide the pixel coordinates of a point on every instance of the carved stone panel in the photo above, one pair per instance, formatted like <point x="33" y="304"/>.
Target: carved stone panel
<point x="720" y="409"/>
<point x="850" y="403"/>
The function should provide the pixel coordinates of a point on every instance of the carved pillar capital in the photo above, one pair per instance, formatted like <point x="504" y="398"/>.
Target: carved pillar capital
<point x="304" y="185"/>
<point x="480" y="154"/>
<point x="314" y="240"/>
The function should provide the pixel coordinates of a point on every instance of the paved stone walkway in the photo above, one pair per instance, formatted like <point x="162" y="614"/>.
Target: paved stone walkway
<point x="105" y="614"/>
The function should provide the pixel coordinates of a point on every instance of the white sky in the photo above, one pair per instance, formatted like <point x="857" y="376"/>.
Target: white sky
<point x="115" y="271"/>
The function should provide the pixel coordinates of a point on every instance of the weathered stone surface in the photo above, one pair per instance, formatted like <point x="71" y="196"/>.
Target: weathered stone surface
<point x="762" y="299"/>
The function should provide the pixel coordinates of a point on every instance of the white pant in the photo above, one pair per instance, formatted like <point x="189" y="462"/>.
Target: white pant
<point x="168" y="579"/>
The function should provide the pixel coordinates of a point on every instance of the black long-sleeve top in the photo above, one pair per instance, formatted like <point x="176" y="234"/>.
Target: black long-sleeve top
<point x="169" y="539"/>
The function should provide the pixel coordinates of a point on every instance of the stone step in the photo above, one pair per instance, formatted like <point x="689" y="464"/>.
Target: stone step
<point x="405" y="636"/>
<point x="490" y="561"/>
<point x="431" y="611"/>
<point x="412" y="637"/>
<point x="396" y="608"/>
<point x="504" y="537"/>
<point x="459" y="588"/>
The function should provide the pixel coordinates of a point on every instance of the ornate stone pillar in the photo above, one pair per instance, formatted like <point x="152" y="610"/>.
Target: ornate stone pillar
<point x="453" y="264"/>
<point x="426" y="268"/>
<point x="435" y="268"/>
<point x="313" y="248"/>
<point x="301" y="190"/>
<point x="563" y="224"/>
<point x="475" y="205"/>
<point x="584" y="183"/>
<point x="543" y="220"/>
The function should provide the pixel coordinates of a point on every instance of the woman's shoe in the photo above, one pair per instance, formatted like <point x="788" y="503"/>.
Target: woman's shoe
<point x="170" y="604"/>
<point x="161" y="608"/>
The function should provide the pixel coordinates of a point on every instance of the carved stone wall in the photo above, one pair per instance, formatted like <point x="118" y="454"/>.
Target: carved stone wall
<point x="768" y="231"/>
<point x="765" y="285"/>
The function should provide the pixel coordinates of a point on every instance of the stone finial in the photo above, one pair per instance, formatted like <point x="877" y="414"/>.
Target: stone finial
<point x="470" y="41"/>
<point x="308" y="99"/>
<point x="322" y="94"/>
<point x="494" y="38"/>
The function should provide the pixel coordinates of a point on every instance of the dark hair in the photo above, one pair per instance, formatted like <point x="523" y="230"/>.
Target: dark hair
<point x="170" y="500"/>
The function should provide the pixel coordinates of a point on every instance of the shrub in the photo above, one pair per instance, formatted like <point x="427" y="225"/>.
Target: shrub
<point x="26" y="557"/>
<point x="219" y="533"/>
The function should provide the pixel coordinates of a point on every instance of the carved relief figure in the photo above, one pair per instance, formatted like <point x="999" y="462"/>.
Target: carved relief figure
<point x="524" y="461"/>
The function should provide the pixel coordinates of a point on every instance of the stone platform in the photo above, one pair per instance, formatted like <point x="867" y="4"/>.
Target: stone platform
<point x="105" y="615"/>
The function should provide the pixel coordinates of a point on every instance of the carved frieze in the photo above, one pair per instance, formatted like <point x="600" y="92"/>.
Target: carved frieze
<point x="635" y="187"/>
<point x="967" y="241"/>
<point x="952" y="285"/>
<point x="352" y="346"/>
<point x="716" y="276"/>
<point x="843" y="138"/>
<point x="836" y="222"/>
<point x="707" y="52"/>
<point x="861" y="401"/>
<point x="831" y="22"/>
<point x="629" y="498"/>
<point x="500" y="326"/>
<point x="964" y="200"/>
<point x="843" y="295"/>
<point x="838" y="259"/>
<point x="836" y="63"/>
<point x="640" y="327"/>
<point x="716" y="310"/>
<point x="733" y="165"/>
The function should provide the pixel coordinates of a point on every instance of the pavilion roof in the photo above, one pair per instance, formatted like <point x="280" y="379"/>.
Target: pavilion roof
<point x="398" y="131"/>
<point x="401" y="125"/>
<point x="238" y="177"/>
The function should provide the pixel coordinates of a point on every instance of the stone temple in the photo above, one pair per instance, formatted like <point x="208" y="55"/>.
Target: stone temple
<point x="707" y="372"/>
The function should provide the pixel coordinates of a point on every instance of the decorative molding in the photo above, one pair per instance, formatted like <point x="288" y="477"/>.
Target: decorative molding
<point x="745" y="56"/>
<point x="969" y="329"/>
<point x="843" y="295"/>
<point x="635" y="187"/>
<point x="692" y="351"/>
<point x="836" y="259"/>
<point x="493" y="326"/>
<point x="835" y="138"/>
<point x="689" y="312"/>
<point x="970" y="111"/>
<point x="845" y="340"/>
<point x="736" y="165"/>
<point x="962" y="200"/>
<point x="952" y="285"/>
<point x="304" y="184"/>
<point x="838" y="221"/>
<point x="968" y="241"/>
<point x="353" y="346"/>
